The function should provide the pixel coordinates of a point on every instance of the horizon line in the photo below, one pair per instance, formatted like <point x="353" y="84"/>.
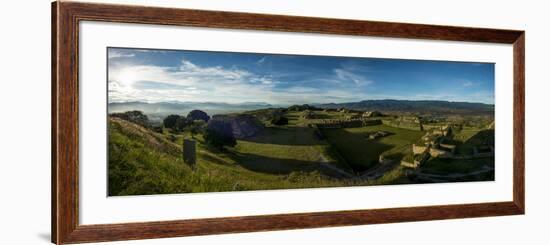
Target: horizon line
<point x="259" y="102"/>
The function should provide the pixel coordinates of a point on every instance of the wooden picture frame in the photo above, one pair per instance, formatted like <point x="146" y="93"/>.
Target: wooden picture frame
<point x="65" y="121"/>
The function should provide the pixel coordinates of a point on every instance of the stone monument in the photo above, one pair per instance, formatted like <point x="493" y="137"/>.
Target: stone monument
<point x="190" y="152"/>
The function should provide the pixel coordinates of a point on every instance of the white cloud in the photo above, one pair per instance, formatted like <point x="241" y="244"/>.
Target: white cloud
<point x="261" y="61"/>
<point x="344" y="75"/>
<point x="117" y="54"/>
<point x="191" y="82"/>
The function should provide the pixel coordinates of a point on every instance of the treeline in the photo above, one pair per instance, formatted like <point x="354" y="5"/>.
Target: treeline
<point x="216" y="133"/>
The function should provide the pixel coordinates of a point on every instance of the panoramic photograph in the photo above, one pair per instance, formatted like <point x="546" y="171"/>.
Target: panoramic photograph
<point x="182" y="121"/>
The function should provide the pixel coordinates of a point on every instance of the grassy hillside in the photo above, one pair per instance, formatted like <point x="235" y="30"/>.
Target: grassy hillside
<point x="143" y="162"/>
<point x="149" y="160"/>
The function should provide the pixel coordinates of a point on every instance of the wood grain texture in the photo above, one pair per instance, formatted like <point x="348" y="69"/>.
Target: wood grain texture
<point x="65" y="221"/>
<point x="54" y="123"/>
<point x="149" y="230"/>
<point x="65" y="122"/>
<point x="519" y="122"/>
<point x="234" y="20"/>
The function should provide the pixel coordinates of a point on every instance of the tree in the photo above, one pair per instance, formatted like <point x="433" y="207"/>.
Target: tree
<point x="175" y="122"/>
<point x="136" y="117"/>
<point x="219" y="133"/>
<point x="196" y="127"/>
<point x="181" y="123"/>
<point x="170" y="121"/>
<point x="195" y="115"/>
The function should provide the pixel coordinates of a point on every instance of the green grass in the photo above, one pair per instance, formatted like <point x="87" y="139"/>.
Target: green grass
<point x="295" y="118"/>
<point x="142" y="162"/>
<point x="446" y="166"/>
<point x="464" y="147"/>
<point x="394" y="176"/>
<point x="280" y="150"/>
<point x="363" y="153"/>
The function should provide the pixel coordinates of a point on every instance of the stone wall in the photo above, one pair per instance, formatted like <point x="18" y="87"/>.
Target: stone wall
<point x="242" y="125"/>
<point x="450" y="147"/>
<point x="190" y="152"/>
<point x="421" y="158"/>
<point x="404" y="122"/>
<point x="409" y="164"/>
<point x="419" y="149"/>
<point x="353" y="123"/>
<point x="440" y="153"/>
<point x="384" y="160"/>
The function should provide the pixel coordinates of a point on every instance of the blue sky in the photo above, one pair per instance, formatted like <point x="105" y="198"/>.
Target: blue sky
<point x="203" y="76"/>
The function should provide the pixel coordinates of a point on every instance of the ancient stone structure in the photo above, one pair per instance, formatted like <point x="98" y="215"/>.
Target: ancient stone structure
<point x="384" y="160"/>
<point x="190" y="152"/>
<point x="421" y="158"/>
<point x="372" y="114"/>
<point x="437" y="143"/>
<point x="441" y="153"/>
<point x="353" y="123"/>
<point x="353" y="117"/>
<point x="443" y="130"/>
<point x="419" y="149"/>
<point x="242" y="125"/>
<point x="406" y="122"/>
<point x="409" y="164"/>
<point x="307" y="114"/>
<point x="417" y="160"/>
<point x="378" y="134"/>
<point x="448" y="147"/>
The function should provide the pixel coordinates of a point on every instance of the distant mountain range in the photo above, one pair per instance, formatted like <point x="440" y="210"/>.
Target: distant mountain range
<point x="434" y="107"/>
<point x="182" y="108"/>
<point x="157" y="111"/>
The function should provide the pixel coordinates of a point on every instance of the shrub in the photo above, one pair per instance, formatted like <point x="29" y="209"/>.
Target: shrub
<point x="196" y="127"/>
<point x="279" y="120"/>
<point x="170" y="121"/>
<point x="219" y="133"/>
<point x="195" y="115"/>
<point x="176" y="123"/>
<point x="136" y="117"/>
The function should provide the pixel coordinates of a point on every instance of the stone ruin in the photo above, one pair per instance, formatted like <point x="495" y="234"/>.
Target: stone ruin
<point x="242" y="125"/>
<point x="307" y="114"/>
<point x="354" y="117"/>
<point x="351" y="123"/>
<point x="432" y="145"/>
<point x="378" y="134"/>
<point x="368" y="114"/>
<point x="436" y="144"/>
<point x="190" y="152"/>
<point x="406" y="122"/>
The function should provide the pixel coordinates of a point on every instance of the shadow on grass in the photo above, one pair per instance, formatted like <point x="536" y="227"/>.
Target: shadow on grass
<point x="285" y="136"/>
<point x="270" y="165"/>
<point x="360" y="153"/>
<point x="483" y="137"/>
<point x="396" y="156"/>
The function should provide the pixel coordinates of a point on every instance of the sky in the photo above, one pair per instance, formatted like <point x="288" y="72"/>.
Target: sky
<point x="151" y="75"/>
